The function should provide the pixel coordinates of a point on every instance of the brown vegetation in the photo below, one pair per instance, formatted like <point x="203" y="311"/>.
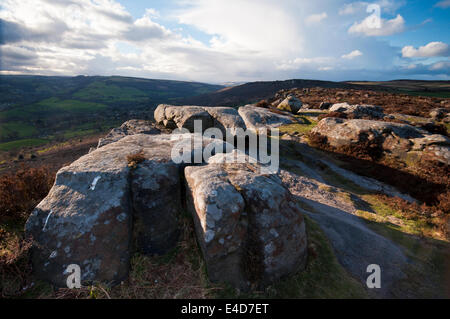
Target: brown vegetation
<point x="134" y="159"/>
<point x="262" y="103"/>
<point x="22" y="191"/>
<point x="19" y="194"/>
<point x="391" y="102"/>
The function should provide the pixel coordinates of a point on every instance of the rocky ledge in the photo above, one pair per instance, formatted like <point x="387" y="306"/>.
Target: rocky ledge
<point x="128" y="194"/>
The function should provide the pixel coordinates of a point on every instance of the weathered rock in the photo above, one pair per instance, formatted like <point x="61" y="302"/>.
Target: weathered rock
<point x="182" y="116"/>
<point x="130" y="127"/>
<point x="290" y="104"/>
<point x="393" y="139"/>
<point x="257" y="118"/>
<point x="87" y="217"/>
<point x="85" y="220"/>
<point x="438" y="113"/>
<point x="359" y="111"/>
<point x="226" y="119"/>
<point x="249" y="227"/>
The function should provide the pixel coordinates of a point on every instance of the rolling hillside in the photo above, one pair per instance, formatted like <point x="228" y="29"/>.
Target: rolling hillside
<point x="35" y="109"/>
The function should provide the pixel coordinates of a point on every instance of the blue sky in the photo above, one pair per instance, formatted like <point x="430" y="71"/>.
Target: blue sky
<point x="219" y="41"/>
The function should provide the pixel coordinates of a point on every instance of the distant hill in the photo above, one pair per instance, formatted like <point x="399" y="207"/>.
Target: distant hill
<point x="37" y="109"/>
<point x="256" y="91"/>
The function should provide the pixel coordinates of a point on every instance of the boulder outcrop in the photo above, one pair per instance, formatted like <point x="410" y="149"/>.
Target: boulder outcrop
<point x="359" y="111"/>
<point x="290" y="104"/>
<point x="226" y="119"/>
<point x="127" y="196"/>
<point x="182" y="117"/>
<point x="404" y="142"/>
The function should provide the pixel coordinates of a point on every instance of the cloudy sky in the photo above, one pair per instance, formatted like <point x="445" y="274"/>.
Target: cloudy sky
<point x="219" y="41"/>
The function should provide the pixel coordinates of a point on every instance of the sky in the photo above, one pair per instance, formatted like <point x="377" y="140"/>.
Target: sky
<point x="219" y="41"/>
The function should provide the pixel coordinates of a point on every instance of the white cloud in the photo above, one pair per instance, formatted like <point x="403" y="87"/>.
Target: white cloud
<point x="352" y="8"/>
<point x="444" y="4"/>
<point x="259" y="28"/>
<point x="240" y="40"/>
<point x="371" y="26"/>
<point x="316" y="18"/>
<point x="432" y="49"/>
<point x="438" y="66"/>
<point x="352" y="55"/>
<point x="299" y="63"/>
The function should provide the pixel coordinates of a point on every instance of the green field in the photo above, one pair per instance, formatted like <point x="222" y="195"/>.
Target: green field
<point x="56" y="105"/>
<point x="110" y="93"/>
<point x="16" y="129"/>
<point x="8" y="146"/>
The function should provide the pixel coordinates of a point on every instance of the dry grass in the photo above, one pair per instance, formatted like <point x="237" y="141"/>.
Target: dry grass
<point x="15" y="269"/>
<point x="22" y="191"/>
<point x="134" y="159"/>
<point x="263" y="103"/>
<point x="19" y="194"/>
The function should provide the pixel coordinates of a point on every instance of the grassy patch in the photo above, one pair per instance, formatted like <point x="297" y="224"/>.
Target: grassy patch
<point x="78" y="133"/>
<point x="410" y="223"/>
<point x="101" y="91"/>
<point x="300" y="129"/>
<point x="21" y="143"/>
<point x="51" y="148"/>
<point x="426" y="275"/>
<point x="16" y="130"/>
<point x="56" y="104"/>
